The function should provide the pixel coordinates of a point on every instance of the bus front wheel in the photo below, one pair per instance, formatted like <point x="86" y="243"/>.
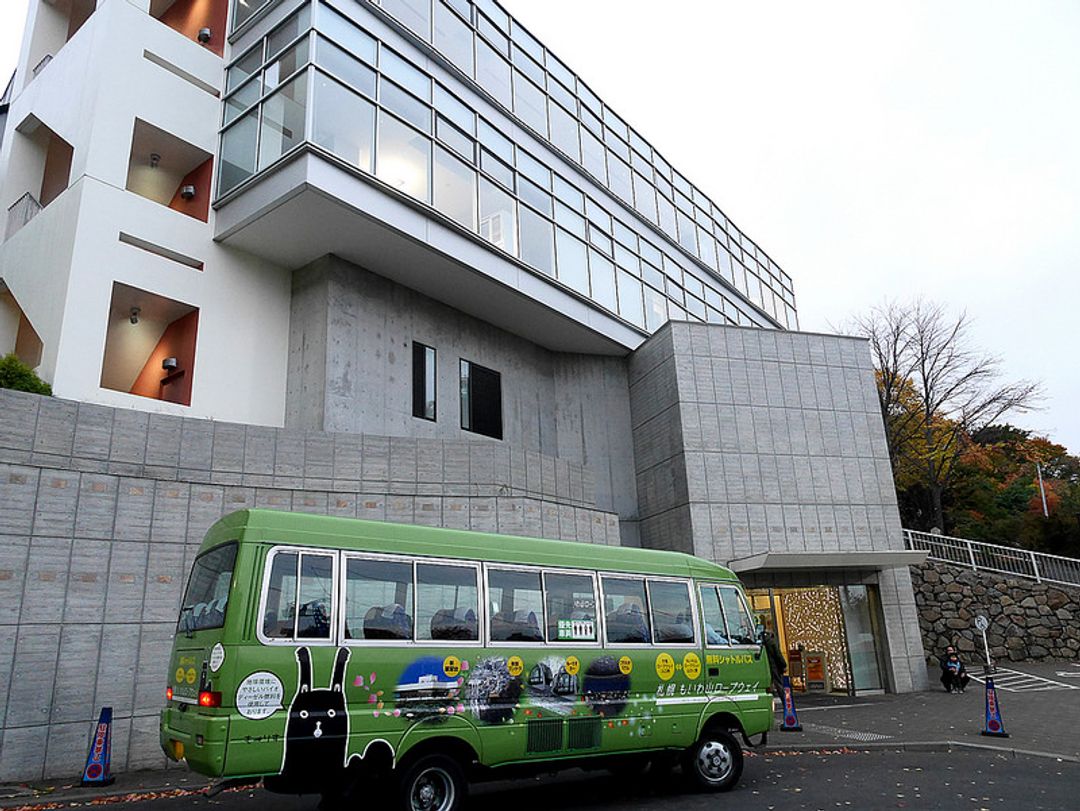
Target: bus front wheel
<point x="433" y="783"/>
<point x="715" y="762"/>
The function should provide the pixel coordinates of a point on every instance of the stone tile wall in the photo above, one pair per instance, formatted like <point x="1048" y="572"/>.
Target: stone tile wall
<point x="102" y="511"/>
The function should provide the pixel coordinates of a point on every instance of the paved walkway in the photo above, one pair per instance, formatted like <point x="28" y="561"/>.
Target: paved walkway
<point x="1041" y="722"/>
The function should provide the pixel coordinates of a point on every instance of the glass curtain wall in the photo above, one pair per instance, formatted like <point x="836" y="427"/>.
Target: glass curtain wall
<point x="376" y="111"/>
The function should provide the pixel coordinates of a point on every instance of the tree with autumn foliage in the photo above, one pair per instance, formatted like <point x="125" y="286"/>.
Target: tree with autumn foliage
<point x="936" y="392"/>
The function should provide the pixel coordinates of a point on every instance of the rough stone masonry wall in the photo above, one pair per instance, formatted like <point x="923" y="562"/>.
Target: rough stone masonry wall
<point x="103" y="509"/>
<point x="1029" y="621"/>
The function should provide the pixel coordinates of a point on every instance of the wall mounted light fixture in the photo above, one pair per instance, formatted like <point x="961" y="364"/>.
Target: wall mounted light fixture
<point x="187" y="192"/>
<point x="169" y="364"/>
<point x="204" y="35"/>
<point x="155" y="159"/>
<point x="134" y="315"/>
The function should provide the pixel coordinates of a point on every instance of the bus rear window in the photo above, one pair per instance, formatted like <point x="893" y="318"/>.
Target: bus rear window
<point x="208" y="590"/>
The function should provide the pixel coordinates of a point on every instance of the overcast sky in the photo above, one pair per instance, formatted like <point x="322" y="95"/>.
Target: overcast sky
<point x="874" y="150"/>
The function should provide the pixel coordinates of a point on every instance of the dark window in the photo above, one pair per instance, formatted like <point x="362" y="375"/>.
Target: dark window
<point x="481" y="400"/>
<point x="423" y="381"/>
<point x="208" y="590"/>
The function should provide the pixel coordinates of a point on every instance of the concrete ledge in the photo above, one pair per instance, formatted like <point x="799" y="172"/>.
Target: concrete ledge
<point x="921" y="746"/>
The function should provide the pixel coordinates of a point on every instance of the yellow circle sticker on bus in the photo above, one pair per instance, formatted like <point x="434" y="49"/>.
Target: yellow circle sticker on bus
<point x="691" y="665"/>
<point x="515" y="665"/>
<point x="451" y="666"/>
<point x="665" y="666"/>
<point x="573" y="665"/>
<point x="179" y="675"/>
<point x="626" y="664"/>
<point x="191" y="675"/>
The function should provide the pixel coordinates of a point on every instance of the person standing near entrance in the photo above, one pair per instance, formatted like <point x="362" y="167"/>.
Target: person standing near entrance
<point x="777" y="663"/>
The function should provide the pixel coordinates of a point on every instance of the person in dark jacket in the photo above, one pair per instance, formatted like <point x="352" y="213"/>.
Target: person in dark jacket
<point x="777" y="664"/>
<point x="954" y="677"/>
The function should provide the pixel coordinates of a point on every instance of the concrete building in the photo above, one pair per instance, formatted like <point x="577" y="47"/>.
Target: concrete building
<point x="410" y="220"/>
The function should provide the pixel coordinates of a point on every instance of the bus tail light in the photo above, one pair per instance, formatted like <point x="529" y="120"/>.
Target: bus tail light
<point x="209" y="699"/>
<point x="168" y="693"/>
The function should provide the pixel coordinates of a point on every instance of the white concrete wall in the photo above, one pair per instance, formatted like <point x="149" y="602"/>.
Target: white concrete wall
<point x="61" y="266"/>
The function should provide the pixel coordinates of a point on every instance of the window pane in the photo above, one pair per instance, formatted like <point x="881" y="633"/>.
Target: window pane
<point x="571" y="608"/>
<point x="530" y="104"/>
<point x="687" y="233"/>
<point x="447" y="603"/>
<point x="279" y="618"/>
<point x="455" y="189"/>
<point x="286" y="65"/>
<point x="569" y="194"/>
<point x="537" y="241"/>
<point x="572" y="267"/>
<point x="630" y="301"/>
<point x="620" y="178"/>
<point x="238" y="151"/>
<point x="344" y="122"/>
<point x="602" y="273"/>
<point x="347" y="35"/>
<point x="378" y="599"/>
<point x="407" y="106"/>
<point x="713" y="617"/>
<point x="672" y="618"/>
<point x="243" y="9"/>
<point x="496" y="168"/>
<point x="448" y="105"/>
<point x="534" y="195"/>
<point x="498" y="143"/>
<point x="314" y="619"/>
<point x="481" y="400"/>
<point x="242" y="99"/>
<point x="493" y="73"/>
<point x="405" y="73"/>
<point x="455" y="139"/>
<point x="288" y="31"/>
<point x="208" y="590"/>
<point x="564" y="131"/>
<point x="414" y="14"/>
<point x="283" y="116"/>
<point x="517" y="606"/>
<point x="593" y="156"/>
<point x="739" y="624"/>
<point x="342" y="65"/>
<point x="244" y="69"/>
<point x="644" y="197"/>
<point x="497" y="217"/>
<point x="404" y="158"/>
<point x="424" y="367"/>
<point x="625" y="611"/>
<point x="454" y="39"/>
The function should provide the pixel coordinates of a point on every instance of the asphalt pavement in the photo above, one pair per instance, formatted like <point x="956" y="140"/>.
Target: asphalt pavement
<point x="920" y="750"/>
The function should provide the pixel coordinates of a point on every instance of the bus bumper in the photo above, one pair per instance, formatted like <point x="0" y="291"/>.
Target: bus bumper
<point x="186" y="734"/>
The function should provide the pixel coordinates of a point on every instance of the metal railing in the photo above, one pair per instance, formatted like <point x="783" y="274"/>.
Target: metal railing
<point x="21" y="212"/>
<point x="988" y="557"/>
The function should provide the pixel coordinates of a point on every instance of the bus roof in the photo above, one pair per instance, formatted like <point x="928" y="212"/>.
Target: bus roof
<point x="302" y="529"/>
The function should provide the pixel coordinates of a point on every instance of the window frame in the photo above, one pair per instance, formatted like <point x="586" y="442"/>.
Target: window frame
<point x="600" y="629"/>
<point x="481" y="624"/>
<point x="727" y="634"/>
<point x="462" y="362"/>
<point x="422" y="349"/>
<point x="514" y="567"/>
<point x="264" y="593"/>
<point x="346" y="556"/>
<point x="648" y="613"/>
<point x="695" y="621"/>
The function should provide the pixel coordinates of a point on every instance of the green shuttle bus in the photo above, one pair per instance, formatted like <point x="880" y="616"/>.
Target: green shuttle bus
<point x="330" y="655"/>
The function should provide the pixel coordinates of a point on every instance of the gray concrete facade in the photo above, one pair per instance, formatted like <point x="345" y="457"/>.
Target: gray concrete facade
<point x="752" y="441"/>
<point x="102" y="511"/>
<point x="350" y="371"/>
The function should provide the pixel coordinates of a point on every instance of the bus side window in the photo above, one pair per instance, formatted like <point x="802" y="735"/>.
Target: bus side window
<point x="378" y="599"/>
<point x="672" y="618"/>
<point x="625" y="613"/>
<point x="314" y="617"/>
<point x="447" y="603"/>
<point x="571" y="607"/>
<point x="740" y="626"/>
<point x="712" y="614"/>
<point x="517" y="606"/>
<point x="279" y="618"/>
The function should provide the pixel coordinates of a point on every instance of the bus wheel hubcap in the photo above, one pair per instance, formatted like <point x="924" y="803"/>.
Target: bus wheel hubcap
<point x="714" y="760"/>
<point x="432" y="791"/>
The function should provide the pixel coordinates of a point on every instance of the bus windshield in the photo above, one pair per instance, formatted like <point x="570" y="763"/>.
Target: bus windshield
<point x="208" y="590"/>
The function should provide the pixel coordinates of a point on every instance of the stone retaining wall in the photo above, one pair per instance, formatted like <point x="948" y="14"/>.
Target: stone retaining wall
<point x="1029" y="621"/>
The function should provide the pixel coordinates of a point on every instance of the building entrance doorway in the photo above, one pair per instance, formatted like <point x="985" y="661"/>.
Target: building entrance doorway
<point x="831" y="636"/>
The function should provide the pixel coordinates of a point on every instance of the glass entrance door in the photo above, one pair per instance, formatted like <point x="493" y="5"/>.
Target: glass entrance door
<point x="858" y="604"/>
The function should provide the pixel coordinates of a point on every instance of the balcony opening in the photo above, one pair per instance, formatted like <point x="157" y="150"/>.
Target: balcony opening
<point x="56" y="23"/>
<point x="43" y="160"/>
<point x="200" y="20"/>
<point x="170" y="171"/>
<point x="150" y="345"/>
<point x="17" y="334"/>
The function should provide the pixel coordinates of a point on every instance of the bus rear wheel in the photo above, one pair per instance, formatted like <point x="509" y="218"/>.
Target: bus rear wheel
<point x="715" y="762"/>
<point x="433" y="783"/>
